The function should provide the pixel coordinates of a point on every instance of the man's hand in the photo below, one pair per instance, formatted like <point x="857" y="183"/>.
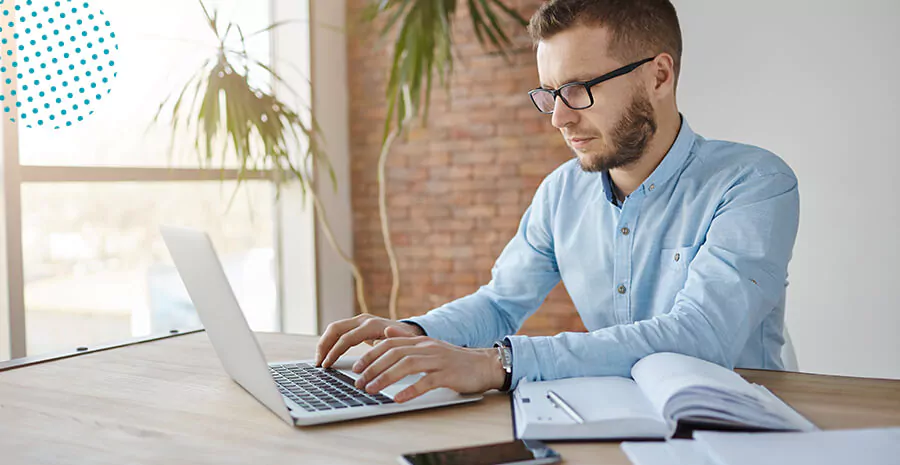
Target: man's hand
<point x="445" y="365"/>
<point x="341" y="335"/>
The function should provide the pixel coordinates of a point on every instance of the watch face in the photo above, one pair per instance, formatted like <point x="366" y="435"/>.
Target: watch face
<point x="506" y="358"/>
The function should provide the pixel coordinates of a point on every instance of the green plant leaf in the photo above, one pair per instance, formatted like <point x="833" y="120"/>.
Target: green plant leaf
<point x="423" y="49"/>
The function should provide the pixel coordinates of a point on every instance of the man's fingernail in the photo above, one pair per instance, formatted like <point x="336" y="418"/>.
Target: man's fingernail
<point x="357" y="366"/>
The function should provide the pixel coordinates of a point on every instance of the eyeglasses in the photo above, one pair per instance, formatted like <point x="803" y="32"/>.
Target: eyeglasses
<point x="577" y="95"/>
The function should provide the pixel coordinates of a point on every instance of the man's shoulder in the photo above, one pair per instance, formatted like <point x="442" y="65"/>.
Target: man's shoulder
<point x="568" y="180"/>
<point x="567" y="170"/>
<point x="562" y="177"/>
<point x="735" y="161"/>
<point x="570" y="174"/>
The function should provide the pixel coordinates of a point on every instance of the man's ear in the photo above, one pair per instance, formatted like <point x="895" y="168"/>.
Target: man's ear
<point x="663" y="67"/>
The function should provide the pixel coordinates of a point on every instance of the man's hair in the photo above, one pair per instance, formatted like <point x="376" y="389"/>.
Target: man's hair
<point x="638" y="28"/>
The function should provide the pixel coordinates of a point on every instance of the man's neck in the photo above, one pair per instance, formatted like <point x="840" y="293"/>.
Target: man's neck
<point x="628" y="179"/>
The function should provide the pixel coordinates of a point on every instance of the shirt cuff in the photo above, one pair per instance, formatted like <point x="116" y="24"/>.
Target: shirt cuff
<point x="525" y="361"/>
<point x="417" y="325"/>
<point x="436" y="328"/>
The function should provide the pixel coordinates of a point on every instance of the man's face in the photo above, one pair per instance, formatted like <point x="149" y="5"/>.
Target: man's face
<point x="615" y="131"/>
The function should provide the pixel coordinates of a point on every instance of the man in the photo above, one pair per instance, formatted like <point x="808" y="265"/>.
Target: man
<point x="665" y="241"/>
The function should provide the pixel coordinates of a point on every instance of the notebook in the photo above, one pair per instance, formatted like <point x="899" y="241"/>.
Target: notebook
<point x="864" y="446"/>
<point x="665" y="388"/>
<point x="877" y="446"/>
<point x="672" y="452"/>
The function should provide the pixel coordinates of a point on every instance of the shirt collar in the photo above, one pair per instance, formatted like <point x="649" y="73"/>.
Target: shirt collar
<point x="674" y="160"/>
<point x="671" y="164"/>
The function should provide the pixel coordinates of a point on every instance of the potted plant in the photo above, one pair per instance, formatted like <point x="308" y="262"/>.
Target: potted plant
<point x="421" y="31"/>
<point x="223" y="114"/>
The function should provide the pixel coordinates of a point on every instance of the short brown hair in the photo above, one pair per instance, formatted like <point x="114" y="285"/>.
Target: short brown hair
<point x="639" y="28"/>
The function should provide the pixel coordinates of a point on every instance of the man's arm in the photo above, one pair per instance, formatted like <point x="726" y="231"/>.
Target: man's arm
<point x="733" y="283"/>
<point x="521" y="279"/>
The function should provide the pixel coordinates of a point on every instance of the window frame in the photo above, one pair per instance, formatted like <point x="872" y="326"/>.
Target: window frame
<point x="297" y="245"/>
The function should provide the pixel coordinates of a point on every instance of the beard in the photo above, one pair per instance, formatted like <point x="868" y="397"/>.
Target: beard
<point x="628" y="140"/>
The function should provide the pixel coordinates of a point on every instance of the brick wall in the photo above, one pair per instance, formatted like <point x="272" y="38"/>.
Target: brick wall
<point x="458" y="187"/>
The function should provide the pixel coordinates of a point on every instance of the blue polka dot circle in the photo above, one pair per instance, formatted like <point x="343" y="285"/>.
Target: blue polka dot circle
<point x="57" y="61"/>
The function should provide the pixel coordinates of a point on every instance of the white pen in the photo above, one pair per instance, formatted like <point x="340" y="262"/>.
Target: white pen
<point x="558" y="401"/>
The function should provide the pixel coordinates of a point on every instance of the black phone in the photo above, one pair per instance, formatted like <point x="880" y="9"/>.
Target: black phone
<point x="505" y="453"/>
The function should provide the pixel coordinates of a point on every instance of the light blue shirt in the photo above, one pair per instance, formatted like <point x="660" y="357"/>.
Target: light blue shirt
<point x="694" y="261"/>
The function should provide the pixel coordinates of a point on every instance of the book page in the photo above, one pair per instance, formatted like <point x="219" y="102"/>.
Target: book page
<point x="595" y="399"/>
<point x="682" y="387"/>
<point x="660" y="376"/>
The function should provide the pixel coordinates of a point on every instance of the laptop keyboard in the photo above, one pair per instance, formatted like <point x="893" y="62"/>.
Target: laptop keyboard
<point x="319" y="389"/>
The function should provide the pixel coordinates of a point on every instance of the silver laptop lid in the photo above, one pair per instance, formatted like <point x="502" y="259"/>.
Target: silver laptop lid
<point x="237" y="348"/>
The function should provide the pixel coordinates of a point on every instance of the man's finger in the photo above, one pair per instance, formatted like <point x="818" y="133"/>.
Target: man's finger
<point x="427" y="383"/>
<point x="347" y="340"/>
<point x="379" y="349"/>
<point x="385" y="361"/>
<point x="333" y="332"/>
<point x="409" y="365"/>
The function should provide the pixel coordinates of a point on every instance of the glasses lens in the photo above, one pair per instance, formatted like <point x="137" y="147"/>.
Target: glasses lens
<point x="576" y="96"/>
<point x="543" y="100"/>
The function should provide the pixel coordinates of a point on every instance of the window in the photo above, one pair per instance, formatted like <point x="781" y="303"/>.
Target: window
<point x="85" y="261"/>
<point x="96" y="270"/>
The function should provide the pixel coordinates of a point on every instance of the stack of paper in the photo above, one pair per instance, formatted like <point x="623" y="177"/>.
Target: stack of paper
<point x="866" y="446"/>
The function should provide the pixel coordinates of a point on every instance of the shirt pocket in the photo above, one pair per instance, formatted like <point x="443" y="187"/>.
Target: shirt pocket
<point x="678" y="258"/>
<point x="673" y="266"/>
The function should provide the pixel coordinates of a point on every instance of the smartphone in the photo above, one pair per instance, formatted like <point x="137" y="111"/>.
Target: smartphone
<point x="505" y="453"/>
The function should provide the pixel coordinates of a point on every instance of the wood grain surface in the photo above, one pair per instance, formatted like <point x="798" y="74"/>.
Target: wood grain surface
<point x="169" y="401"/>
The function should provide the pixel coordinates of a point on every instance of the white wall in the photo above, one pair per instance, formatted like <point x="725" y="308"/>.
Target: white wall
<point x="816" y="81"/>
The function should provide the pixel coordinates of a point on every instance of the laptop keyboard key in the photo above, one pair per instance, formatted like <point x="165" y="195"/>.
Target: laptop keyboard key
<point x="316" y="389"/>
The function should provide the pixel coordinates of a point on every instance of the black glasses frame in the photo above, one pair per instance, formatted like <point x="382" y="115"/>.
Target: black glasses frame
<point x="587" y="86"/>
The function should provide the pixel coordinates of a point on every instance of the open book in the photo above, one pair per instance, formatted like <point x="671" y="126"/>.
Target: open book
<point x="666" y="388"/>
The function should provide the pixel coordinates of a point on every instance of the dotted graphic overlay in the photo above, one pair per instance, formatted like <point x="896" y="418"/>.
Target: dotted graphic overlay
<point x="61" y="53"/>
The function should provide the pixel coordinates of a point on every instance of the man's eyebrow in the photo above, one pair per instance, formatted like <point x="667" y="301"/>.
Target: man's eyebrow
<point x="576" y="78"/>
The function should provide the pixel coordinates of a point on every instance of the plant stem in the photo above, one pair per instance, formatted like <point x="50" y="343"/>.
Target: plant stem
<point x="329" y="234"/>
<point x="385" y="225"/>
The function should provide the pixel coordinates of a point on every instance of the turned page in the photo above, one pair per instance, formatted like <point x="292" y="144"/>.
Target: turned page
<point x="663" y="375"/>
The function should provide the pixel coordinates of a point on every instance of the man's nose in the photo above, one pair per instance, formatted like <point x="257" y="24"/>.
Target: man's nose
<point x="563" y="116"/>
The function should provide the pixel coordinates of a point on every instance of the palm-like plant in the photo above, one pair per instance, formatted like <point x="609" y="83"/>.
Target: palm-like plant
<point x="222" y="112"/>
<point x="423" y="49"/>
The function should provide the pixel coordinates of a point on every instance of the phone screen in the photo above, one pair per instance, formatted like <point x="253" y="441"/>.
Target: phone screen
<point x="520" y="452"/>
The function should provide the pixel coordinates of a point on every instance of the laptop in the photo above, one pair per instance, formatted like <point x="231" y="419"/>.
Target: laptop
<point x="296" y="391"/>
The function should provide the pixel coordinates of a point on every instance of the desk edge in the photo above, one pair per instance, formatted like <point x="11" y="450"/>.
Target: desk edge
<point x="23" y="362"/>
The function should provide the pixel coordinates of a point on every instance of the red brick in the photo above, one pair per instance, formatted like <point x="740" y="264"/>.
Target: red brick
<point x="457" y="187"/>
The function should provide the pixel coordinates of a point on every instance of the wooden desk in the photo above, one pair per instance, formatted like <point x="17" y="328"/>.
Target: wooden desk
<point x="169" y="401"/>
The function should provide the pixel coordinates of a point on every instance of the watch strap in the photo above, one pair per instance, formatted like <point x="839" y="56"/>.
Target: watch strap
<point x="502" y="346"/>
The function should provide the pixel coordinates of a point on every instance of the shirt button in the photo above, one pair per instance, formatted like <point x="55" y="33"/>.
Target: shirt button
<point x="621" y="289"/>
<point x="625" y="231"/>
<point x="677" y="256"/>
<point x="652" y="186"/>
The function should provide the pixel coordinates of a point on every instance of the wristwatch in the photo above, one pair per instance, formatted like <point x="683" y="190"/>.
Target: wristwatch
<point x="504" y="353"/>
